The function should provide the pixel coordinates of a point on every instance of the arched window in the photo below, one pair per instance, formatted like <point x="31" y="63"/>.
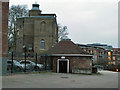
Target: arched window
<point x="43" y="25"/>
<point x="42" y="44"/>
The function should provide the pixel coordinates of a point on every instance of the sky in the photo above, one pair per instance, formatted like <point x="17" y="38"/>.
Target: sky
<point x="88" y="21"/>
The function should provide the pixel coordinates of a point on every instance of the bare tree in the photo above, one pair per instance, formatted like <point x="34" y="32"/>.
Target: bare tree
<point x="62" y="32"/>
<point x="15" y="12"/>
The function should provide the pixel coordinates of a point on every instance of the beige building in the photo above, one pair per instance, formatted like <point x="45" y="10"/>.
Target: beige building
<point x="37" y="32"/>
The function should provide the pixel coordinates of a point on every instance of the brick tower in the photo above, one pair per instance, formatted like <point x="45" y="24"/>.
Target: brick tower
<point x="37" y="32"/>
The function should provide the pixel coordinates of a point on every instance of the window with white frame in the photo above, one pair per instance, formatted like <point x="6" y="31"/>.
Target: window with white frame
<point x="42" y="44"/>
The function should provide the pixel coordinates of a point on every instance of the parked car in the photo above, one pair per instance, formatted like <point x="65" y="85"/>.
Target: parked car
<point x="31" y="65"/>
<point x="99" y="67"/>
<point x="17" y="67"/>
<point x="112" y="68"/>
<point x="118" y="67"/>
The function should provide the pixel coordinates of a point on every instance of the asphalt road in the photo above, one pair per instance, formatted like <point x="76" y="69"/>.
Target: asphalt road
<point x="106" y="79"/>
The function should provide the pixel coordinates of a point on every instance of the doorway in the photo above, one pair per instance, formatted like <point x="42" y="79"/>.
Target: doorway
<point x="63" y="66"/>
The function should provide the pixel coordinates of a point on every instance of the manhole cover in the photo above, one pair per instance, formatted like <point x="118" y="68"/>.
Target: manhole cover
<point x="64" y="77"/>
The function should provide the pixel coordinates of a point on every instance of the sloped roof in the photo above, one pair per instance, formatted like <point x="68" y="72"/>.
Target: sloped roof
<point x="65" y="47"/>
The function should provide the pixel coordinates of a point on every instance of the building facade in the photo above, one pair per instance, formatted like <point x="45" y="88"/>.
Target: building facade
<point x="4" y="10"/>
<point x="37" y="32"/>
<point x="116" y="56"/>
<point x="67" y="57"/>
<point x="97" y="52"/>
<point x="103" y="55"/>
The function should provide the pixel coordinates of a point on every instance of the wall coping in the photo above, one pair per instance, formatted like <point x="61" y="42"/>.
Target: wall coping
<point x="71" y="55"/>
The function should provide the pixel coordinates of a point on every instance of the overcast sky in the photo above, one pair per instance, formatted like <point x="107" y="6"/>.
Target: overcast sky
<point x="88" y="21"/>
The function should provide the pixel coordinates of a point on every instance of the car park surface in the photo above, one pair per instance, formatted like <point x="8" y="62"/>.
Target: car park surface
<point x="106" y="79"/>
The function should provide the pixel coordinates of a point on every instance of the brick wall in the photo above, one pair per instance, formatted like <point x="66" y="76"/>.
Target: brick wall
<point x="0" y="29"/>
<point x="31" y="32"/>
<point x="4" y="29"/>
<point x="74" y="62"/>
<point x="5" y="10"/>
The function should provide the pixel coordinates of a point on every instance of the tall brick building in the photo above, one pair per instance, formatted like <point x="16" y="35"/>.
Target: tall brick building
<point x="37" y="32"/>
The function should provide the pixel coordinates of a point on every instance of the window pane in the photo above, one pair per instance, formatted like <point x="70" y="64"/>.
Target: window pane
<point x="29" y="46"/>
<point x="42" y="44"/>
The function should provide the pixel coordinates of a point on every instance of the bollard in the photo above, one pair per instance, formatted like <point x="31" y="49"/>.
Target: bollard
<point x="12" y="64"/>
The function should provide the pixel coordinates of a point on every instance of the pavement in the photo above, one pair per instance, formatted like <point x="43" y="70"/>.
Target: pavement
<point x="106" y="79"/>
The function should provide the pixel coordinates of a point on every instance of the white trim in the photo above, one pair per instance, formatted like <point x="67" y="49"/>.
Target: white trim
<point x="62" y="60"/>
<point x="71" y="55"/>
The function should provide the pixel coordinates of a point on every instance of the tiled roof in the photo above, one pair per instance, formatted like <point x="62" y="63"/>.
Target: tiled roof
<point x="65" y="47"/>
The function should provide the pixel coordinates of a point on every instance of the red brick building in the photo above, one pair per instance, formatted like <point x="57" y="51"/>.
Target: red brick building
<point x="69" y="58"/>
<point x="4" y="9"/>
<point x="103" y="55"/>
<point x="116" y="56"/>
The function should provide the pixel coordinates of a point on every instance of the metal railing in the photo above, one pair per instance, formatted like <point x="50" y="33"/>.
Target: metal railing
<point x="28" y="62"/>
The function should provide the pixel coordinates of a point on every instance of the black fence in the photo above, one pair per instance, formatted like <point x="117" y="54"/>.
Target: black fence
<point x="28" y="62"/>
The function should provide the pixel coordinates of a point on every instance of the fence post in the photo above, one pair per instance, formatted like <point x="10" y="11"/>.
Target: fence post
<point x="51" y="62"/>
<point x="36" y="59"/>
<point x="12" y="64"/>
<point x="45" y="62"/>
<point x="25" y="62"/>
